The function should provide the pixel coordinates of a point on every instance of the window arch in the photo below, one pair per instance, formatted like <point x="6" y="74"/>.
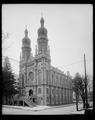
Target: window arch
<point x="31" y="76"/>
<point x="30" y="92"/>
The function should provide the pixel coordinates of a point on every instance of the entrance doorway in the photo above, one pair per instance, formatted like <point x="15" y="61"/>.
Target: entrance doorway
<point x="33" y="100"/>
<point x="30" y="92"/>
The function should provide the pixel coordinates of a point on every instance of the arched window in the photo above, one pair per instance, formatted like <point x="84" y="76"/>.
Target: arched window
<point x="47" y="76"/>
<point x="57" y="91"/>
<point x="39" y="76"/>
<point x="52" y="78"/>
<point x="60" y="80"/>
<point x="30" y="92"/>
<point x="53" y="91"/>
<point x="56" y="80"/>
<point x="47" y="99"/>
<point x="31" y="76"/>
<point x="39" y="90"/>
<point x="47" y="90"/>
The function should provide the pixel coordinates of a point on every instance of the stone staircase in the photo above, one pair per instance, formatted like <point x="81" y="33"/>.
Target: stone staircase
<point x="29" y="102"/>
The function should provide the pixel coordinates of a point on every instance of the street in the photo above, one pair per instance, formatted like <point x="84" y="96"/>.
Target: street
<point x="42" y="110"/>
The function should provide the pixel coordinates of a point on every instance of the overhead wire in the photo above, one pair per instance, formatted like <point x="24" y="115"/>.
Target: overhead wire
<point x="9" y="46"/>
<point x="63" y="65"/>
<point x="77" y="62"/>
<point x="12" y="59"/>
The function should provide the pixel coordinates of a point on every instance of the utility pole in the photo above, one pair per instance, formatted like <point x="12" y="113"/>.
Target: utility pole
<point x="86" y="97"/>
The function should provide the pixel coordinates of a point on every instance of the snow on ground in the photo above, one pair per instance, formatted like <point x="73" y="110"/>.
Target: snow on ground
<point x="38" y="107"/>
<point x="47" y="110"/>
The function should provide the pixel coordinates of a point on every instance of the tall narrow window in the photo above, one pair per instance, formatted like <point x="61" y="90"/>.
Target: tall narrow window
<point x="39" y="77"/>
<point x="47" y="76"/>
<point x="47" y="99"/>
<point x="56" y="80"/>
<point x="52" y="78"/>
<point x="47" y="90"/>
<point x="53" y="91"/>
<point x="39" y="90"/>
<point x="61" y="81"/>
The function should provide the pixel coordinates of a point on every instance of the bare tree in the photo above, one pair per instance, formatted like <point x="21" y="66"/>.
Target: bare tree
<point x="4" y="37"/>
<point x="79" y="88"/>
<point x="75" y="88"/>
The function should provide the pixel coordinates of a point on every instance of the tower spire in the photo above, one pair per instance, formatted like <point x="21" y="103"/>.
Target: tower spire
<point x="26" y="31"/>
<point x="42" y="20"/>
<point x="41" y="14"/>
<point x="25" y="26"/>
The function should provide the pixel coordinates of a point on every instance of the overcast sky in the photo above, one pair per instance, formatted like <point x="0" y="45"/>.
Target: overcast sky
<point x="69" y="32"/>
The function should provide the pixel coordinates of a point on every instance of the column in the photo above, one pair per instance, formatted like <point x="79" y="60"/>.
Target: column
<point x="71" y="96"/>
<point x="65" y="96"/>
<point x="62" y="95"/>
<point x="43" y="84"/>
<point x="36" y="81"/>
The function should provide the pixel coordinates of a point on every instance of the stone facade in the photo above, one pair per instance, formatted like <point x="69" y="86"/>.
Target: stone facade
<point x="48" y="84"/>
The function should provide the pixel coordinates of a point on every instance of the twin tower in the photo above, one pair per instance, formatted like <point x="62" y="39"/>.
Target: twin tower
<point x="42" y="47"/>
<point x="31" y="70"/>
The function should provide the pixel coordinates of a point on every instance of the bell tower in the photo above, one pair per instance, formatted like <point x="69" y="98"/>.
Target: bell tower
<point x="42" y="48"/>
<point x="26" y="49"/>
<point x="42" y="38"/>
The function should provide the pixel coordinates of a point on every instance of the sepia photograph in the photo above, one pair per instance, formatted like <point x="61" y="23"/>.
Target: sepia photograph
<point x="47" y="59"/>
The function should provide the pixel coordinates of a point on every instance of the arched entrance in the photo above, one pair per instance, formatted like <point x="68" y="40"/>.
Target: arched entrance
<point x="30" y="92"/>
<point x="32" y="97"/>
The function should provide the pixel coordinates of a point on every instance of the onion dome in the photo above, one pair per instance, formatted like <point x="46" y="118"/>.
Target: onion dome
<point x="26" y="40"/>
<point x="42" y="31"/>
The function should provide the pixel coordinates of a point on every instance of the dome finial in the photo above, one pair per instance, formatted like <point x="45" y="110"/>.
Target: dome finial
<point x="41" y="14"/>
<point x="42" y="20"/>
<point x="26" y="31"/>
<point x="26" y="26"/>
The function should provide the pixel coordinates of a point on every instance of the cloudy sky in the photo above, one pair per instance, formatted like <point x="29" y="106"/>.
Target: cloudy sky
<point x="70" y="33"/>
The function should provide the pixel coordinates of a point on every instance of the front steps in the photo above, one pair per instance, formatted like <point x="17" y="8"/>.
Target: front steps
<point x="24" y="101"/>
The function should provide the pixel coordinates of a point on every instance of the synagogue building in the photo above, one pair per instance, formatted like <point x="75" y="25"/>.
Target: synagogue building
<point x="39" y="81"/>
